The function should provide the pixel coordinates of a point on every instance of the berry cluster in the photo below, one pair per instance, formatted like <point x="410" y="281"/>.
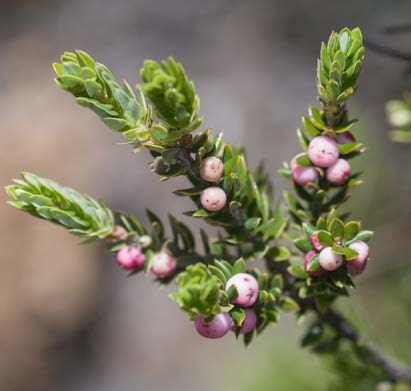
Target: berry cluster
<point x="132" y="257"/>
<point x="333" y="242"/>
<point x="246" y="287"/>
<point x="323" y="153"/>
<point x="212" y="198"/>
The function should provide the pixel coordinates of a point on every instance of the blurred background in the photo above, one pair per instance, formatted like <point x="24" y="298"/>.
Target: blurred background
<point x="70" y="320"/>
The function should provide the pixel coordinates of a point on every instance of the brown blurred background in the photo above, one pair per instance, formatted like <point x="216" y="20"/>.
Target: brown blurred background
<point x="70" y="320"/>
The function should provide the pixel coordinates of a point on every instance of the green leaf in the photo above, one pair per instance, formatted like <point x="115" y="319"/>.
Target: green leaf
<point x="279" y="253"/>
<point x="348" y="148"/>
<point x="325" y="238"/>
<point x="365" y="236"/>
<point x="303" y="160"/>
<point x="303" y="244"/>
<point x="350" y="254"/>
<point x="192" y="191"/>
<point x="314" y="264"/>
<point x="297" y="271"/>
<point x="239" y="266"/>
<point x="351" y="230"/>
<point x="252" y="223"/>
<point x="337" y="229"/>
<point x="287" y="304"/>
<point x="238" y="316"/>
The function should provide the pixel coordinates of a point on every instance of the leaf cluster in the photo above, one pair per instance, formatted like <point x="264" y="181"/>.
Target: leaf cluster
<point x="81" y="215"/>
<point x="399" y="116"/>
<point x="339" y="65"/>
<point x="171" y="93"/>
<point x="95" y="87"/>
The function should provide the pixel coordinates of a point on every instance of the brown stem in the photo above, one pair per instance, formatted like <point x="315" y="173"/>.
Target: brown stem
<point x="391" y="368"/>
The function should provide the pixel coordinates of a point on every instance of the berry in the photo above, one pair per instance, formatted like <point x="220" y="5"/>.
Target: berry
<point x="211" y="169"/>
<point x="163" y="265"/>
<point x="217" y="328"/>
<point x="323" y="151"/>
<point x="307" y="258"/>
<point x="339" y="172"/>
<point x="315" y="242"/>
<point x="302" y="175"/>
<point x="345" y="137"/>
<point x="247" y="289"/>
<point x="119" y="233"/>
<point x="329" y="260"/>
<point x="357" y="265"/>
<point x="213" y="198"/>
<point x="130" y="258"/>
<point x="250" y="321"/>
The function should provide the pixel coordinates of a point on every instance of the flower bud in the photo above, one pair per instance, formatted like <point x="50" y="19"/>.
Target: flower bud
<point x="339" y="172"/>
<point x="118" y="234"/>
<point x="247" y="289"/>
<point x="315" y="242"/>
<point x="211" y="169"/>
<point x="130" y="258"/>
<point x="307" y="258"/>
<point x="250" y="321"/>
<point x="163" y="265"/>
<point x="323" y="151"/>
<point x="357" y="265"/>
<point x="302" y="175"/>
<point x="345" y="137"/>
<point x="329" y="260"/>
<point x="213" y="198"/>
<point x="217" y="328"/>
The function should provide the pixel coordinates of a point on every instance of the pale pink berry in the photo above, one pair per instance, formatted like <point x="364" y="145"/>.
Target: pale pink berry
<point x="213" y="198"/>
<point x="217" y="328"/>
<point x="323" y="151"/>
<point x="247" y="289"/>
<point x="130" y="258"/>
<point x="329" y="260"/>
<point x="163" y="265"/>
<point x="357" y="265"/>
<point x="118" y="234"/>
<point x="250" y="321"/>
<point x="307" y="258"/>
<point x="302" y="175"/>
<point x="315" y="242"/>
<point x="339" y="172"/>
<point x="211" y="169"/>
<point x="345" y="137"/>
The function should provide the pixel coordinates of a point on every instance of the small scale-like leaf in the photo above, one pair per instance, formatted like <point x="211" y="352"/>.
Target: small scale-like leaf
<point x="351" y="230"/>
<point x="287" y="304"/>
<point x="337" y="229"/>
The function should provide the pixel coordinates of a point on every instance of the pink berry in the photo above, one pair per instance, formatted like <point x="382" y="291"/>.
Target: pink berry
<point x="250" y="321"/>
<point x="345" y="137"/>
<point x="307" y="258"/>
<point x="217" y="328"/>
<point x="329" y="260"/>
<point x="163" y="265"/>
<point x="357" y="265"/>
<point x="130" y="258"/>
<point x="247" y="288"/>
<point x="339" y="172"/>
<point x="315" y="242"/>
<point x="323" y="151"/>
<point x="302" y="175"/>
<point x="213" y="198"/>
<point x="211" y="169"/>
